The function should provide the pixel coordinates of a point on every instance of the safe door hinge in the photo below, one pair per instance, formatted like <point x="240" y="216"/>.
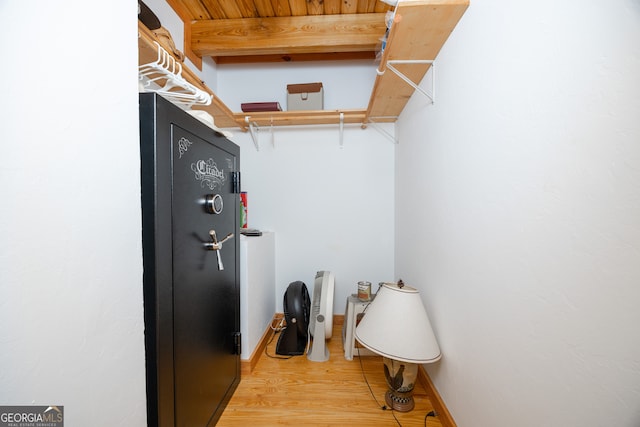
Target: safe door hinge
<point x="235" y="182"/>
<point x="237" y="338"/>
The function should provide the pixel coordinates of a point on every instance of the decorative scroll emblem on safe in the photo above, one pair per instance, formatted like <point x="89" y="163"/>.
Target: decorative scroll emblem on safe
<point x="208" y="174"/>
<point x="183" y="146"/>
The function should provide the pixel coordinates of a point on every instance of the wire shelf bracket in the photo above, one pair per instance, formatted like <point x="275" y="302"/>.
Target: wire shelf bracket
<point x="253" y="130"/>
<point x="380" y="130"/>
<point x="390" y="65"/>
<point x="341" y="129"/>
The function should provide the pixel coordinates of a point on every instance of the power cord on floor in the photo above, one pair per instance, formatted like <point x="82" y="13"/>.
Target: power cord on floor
<point x="429" y="414"/>
<point x="385" y="407"/>
<point x="280" y="326"/>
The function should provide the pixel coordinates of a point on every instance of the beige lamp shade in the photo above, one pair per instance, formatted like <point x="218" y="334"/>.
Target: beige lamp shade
<point x="395" y="325"/>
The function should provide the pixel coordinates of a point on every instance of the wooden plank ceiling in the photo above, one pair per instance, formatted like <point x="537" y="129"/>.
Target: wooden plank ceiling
<point x="233" y="31"/>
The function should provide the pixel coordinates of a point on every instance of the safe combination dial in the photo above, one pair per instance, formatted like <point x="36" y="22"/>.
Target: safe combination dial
<point x="213" y="204"/>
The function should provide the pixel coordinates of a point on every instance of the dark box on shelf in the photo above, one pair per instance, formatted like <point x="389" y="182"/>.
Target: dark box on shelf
<point x="250" y="107"/>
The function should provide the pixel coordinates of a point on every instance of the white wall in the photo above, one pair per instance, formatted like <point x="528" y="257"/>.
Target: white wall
<point x="517" y="213"/>
<point x="346" y="84"/>
<point x="71" y="316"/>
<point x="331" y="208"/>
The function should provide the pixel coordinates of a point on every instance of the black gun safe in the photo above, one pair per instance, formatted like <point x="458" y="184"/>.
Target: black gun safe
<point x="190" y="223"/>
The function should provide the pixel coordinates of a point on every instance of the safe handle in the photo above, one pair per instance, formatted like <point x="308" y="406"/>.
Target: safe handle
<point x="216" y="245"/>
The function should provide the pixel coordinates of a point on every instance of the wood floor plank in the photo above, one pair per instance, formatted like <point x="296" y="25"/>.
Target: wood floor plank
<point x="298" y="392"/>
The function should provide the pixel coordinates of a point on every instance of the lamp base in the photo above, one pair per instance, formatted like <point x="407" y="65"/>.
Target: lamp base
<point x="401" y="402"/>
<point x="401" y="377"/>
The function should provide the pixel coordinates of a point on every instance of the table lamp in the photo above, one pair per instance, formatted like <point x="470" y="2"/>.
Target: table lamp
<point x="395" y="325"/>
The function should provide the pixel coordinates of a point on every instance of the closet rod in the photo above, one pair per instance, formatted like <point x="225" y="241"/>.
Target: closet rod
<point x="302" y="117"/>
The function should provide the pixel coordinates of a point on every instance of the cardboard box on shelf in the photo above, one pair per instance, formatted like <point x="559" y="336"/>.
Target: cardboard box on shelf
<point x="305" y="96"/>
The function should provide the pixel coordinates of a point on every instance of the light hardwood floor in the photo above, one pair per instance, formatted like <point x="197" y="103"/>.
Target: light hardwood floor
<point x="298" y="392"/>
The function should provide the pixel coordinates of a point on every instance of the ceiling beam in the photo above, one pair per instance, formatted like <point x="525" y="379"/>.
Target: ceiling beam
<point x="288" y="35"/>
<point x="297" y="57"/>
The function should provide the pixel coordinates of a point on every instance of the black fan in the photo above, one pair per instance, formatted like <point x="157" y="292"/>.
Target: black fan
<point x="297" y="306"/>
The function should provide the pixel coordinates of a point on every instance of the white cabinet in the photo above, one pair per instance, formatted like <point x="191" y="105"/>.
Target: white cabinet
<point x="257" y="288"/>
